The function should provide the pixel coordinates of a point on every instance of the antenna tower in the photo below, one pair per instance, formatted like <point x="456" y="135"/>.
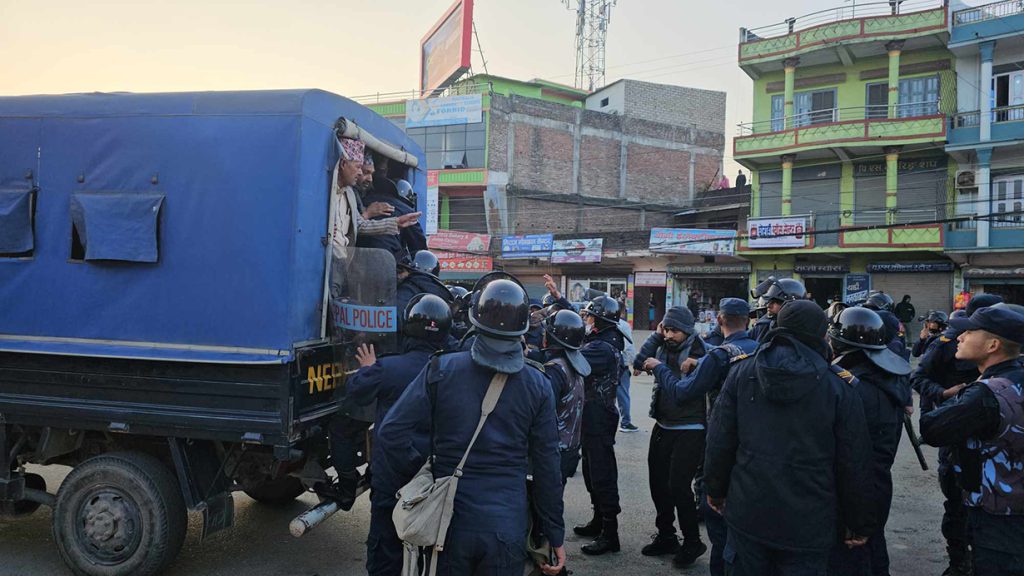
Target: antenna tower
<point x="592" y="17"/>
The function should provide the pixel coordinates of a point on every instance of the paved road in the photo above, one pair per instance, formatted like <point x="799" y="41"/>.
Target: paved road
<point x="259" y="544"/>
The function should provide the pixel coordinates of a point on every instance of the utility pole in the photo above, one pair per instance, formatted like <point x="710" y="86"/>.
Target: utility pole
<point x="592" y="18"/>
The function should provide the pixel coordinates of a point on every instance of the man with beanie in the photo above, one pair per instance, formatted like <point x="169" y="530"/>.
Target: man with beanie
<point x="677" y="441"/>
<point x="940" y="374"/>
<point x="787" y="451"/>
<point x="488" y="527"/>
<point x="984" y="426"/>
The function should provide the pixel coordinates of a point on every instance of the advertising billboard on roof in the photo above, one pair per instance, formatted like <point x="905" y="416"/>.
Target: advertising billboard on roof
<point x="445" y="50"/>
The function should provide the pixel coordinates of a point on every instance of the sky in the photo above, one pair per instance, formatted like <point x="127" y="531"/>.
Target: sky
<point x="362" y="47"/>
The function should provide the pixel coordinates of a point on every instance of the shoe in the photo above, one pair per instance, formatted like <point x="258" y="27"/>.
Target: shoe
<point x="605" y="542"/>
<point x="628" y="428"/>
<point x="590" y="529"/>
<point x="688" y="553"/>
<point x="661" y="544"/>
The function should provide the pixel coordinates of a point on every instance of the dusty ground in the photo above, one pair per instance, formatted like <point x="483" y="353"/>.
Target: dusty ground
<point x="259" y="544"/>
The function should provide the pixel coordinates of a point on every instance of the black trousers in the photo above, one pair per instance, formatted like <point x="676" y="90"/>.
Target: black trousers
<point x="672" y="462"/>
<point x="954" y="516"/>
<point x="997" y="543"/>
<point x="600" y="471"/>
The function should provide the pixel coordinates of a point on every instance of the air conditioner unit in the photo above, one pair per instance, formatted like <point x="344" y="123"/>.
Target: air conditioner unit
<point x="965" y="182"/>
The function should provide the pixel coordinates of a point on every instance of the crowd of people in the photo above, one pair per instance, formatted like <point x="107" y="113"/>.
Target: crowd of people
<point x="780" y="435"/>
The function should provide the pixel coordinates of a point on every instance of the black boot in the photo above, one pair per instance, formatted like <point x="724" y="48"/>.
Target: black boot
<point x="342" y="491"/>
<point x="606" y="541"/>
<point x="590" y="529"/>
<point x="689" y="552"/>
<point x="959" y="562"/>
<point x="661" y="544"/>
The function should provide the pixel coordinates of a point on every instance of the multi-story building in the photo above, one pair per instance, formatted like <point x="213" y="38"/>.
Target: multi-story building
<point x="850" y="179"/>
<point x="986" y="139"/>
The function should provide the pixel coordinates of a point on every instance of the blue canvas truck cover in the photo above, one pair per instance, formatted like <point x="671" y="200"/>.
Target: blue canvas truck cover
<point x="203" y="218"/>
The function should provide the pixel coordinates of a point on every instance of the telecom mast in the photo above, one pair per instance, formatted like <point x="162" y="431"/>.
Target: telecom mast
<point x="592" y="17"/>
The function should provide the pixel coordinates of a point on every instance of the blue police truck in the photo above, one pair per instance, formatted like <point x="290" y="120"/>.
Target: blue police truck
<point x="167" y="282"/>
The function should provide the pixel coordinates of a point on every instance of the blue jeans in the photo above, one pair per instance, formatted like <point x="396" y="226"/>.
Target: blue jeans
<point x="622" y="395"/>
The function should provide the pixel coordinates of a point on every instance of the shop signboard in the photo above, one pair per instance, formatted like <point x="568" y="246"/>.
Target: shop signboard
<point x="655" y="279"/>
<point x="458" y="262"/>
<point x="455" y="241"/>
<point x="447" y="111"/>
<point x="709" y="269"/>
<point x="630" y="285"/>
<point x="777" y="232"/>
<point x="576" y="251"/>
<point x="856" y="288"/>
<point x="821" y="268"/>
<point x="433" y="204"/>
<point x="912" y="267"/>
<point x="693" y="241"/>
<point x="528" y="246"/>
<point x="445" y="51"/>
<point x="993" y="272"/>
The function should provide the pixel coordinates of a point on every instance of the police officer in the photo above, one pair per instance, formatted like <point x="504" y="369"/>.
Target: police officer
<point x="935" y="322"/>
<point x="418" y="275"/>
<point x="776" y="293"/>
<point x="602" y="348"/>
<point x="984" y="424"/>
<point x="489" y="522"/>
<point x="880" y="378"/>
<point x="535" y="335"/>
<point x="460" y="311"/>
<point x="707" y="379"/>
<point x="427" y="322"/>
<point x="939" y="376"/>
<point x="883" y="304"/>
<point x="677" y="441"/>
<point x="787" y="450"/>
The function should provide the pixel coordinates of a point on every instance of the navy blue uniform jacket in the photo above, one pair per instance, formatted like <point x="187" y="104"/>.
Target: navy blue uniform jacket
<point x="707" y="376"/>
<point x="788" y="448"/>
<point x="520" y="432"/>
<point x="939" y="369"/>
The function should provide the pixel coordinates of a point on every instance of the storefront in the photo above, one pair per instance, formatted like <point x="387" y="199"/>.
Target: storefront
<point x="700" y="287"/>
<point x="929" y="285"/>
<point x="824" y="282"/>
<point x="1007" y="282"/>
<point x="649" y="299"/>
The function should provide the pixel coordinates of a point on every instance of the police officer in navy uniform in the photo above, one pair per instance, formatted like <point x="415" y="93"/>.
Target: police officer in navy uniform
<point x="776" y="293"/>
<point x="707" y="379"/>
<point x="602" y="349"/>
<point x="939" y="376"/>
<point x="382" y="380"/>
<point x="489" y="524"/>
<point x="935" y="323"/>
<point x="418" y="275"/>
<point x="883" y="305"/>
<point x="787" y="452"/>
<point x="984" y="425"/>
<point x="880" y="378"/>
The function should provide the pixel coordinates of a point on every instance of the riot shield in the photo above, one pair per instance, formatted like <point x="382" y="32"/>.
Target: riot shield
<point x="362" y="311"/>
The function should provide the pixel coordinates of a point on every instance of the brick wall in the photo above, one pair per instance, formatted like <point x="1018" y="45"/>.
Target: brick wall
<point x="676" y="105"/>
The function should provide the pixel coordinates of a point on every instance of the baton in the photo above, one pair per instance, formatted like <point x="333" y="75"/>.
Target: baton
<point x="915" y="441"/>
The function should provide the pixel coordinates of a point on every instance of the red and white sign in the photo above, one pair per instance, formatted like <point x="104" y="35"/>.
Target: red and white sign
<point x="455" y="241"/>
<point x="445" y="50"/>
<point x="452" y="262"/>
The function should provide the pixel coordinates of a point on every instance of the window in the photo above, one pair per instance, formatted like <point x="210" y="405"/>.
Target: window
<point x="452" y="147"/>
<point x="919" y="97"/>
<point x="115" y="226"/>
<point x="604" y="102"/>
<point x="1008" y="200"/>
<point x="877" y="100"/>
<point x="812" y="107"/>
<point x="778" y="113"/>
<point x="1008" y="97"/>
<point x="17" y="208"/>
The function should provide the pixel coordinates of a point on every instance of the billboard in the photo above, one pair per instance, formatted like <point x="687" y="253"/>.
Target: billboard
<point x="448" y="111"/>
<point x="777" y="232"/>
<point x="455" y="241"/>
<point x="445" y="50"/>
<point x="692" y="241"/>
<point x="529" y="246"/>
<point x="576" y="251"/>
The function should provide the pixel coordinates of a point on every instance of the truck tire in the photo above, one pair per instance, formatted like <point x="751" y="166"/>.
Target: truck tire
<point x="24" y="507"/>
<point x="279" y="492"/>
<point x="119" y="514"/>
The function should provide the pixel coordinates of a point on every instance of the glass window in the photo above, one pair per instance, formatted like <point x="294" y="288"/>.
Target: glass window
<point x="817" y="107"/>
<point x="919" y="97"/>
<point x="455" y="140"/>
<point x="877" y="100"/>
<point x="476" y="139"/>
<point x="778" y="113"/>
<point x="475" y="158"/>
<point x="435" y="142"/>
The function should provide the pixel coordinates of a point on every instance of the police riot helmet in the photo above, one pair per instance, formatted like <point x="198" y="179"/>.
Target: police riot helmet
<point x="857" y="328"/>
<point x="566" y="329"/>
<point x="759" y="291"/>
<point x="604" y="309"/>
<point x="785" y="290"/>
<point x="458" y="292"/>
<point x="548" y="300"/>
<point x="982" y="300"/>
<point x="424" y="261"/>
<point x="879" y="301"/>
<point x="427" y="317"/>
<point x="405" y="192"/>
<point x="937" y="316"/>
<point x="501" y="309"/>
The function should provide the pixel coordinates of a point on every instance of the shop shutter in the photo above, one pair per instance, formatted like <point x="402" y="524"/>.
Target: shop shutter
<point x="931" y="291"/>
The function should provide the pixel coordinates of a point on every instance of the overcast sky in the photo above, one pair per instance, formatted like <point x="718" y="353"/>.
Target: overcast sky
<point x="361" y="47"/>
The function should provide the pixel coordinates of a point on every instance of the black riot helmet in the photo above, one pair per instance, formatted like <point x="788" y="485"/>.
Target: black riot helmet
<point x="427" y="317"/>
<point x="857" y="329"/>
<point x="458" y="292"/>
<point x="759" y="291"/>
<point x="424" y="261"/>
<point x="548" y="300"/>
<point x="879" y="301"/>
<point x="937" y="316"/>
<point x="566" y="329"/>
<point x="501" y="309"/>
<point x="604" y="309"/>
<point x="785" y="290"/>
<point x="405" y="192"/>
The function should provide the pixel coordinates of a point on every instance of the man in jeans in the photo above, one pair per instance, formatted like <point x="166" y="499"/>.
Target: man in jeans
<point x="622" y="392"/>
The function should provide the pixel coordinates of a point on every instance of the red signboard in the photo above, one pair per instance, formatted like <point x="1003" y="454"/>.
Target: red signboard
<point x="455" y="241"/>
<point x="445" y="50"/>
<point x="453" y="262"/>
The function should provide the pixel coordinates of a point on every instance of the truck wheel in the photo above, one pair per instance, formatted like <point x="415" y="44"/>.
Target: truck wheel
<point x="119" y="514"/>
<point x="24" y="507"/>
<point x="279" y="492"/>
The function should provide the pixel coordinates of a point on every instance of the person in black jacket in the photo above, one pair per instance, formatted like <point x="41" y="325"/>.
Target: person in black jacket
<point x="418" y="275"/>
<point x="787" y="451"/>
<point x="677" y="441"/>
<point x="776" y="294"/>
<point x="879" y="376"/>
<point x="409" y="240"/>
<point x="935" y="323"/>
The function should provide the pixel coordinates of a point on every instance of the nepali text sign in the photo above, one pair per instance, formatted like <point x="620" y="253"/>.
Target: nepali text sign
<point x="710" y="269"/>
<point x="433" y="203"/>
<point x="857" y="288"/>
<point x="913" y="267"/>
<point x="365" y="318"/>
<point x="529" y="246"/>
<point x="454" y="262"/>
<point x="447" y="111"/>
<point x="576" y="251"/>
<point x="693" y="241"/>
<point x="656" y="279"/>
<point x="777" y="233"/>
<point x="455" y="241"/>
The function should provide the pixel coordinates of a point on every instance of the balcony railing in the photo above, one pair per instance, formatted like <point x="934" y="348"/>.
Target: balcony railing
<point x="900" y="216"/>
<point x="839" y="115"/>
<point x="837" y="14"/>
<point x="1001" y="114"/>
<point x="988" y="12"/>
<point x="453" y="90"/>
